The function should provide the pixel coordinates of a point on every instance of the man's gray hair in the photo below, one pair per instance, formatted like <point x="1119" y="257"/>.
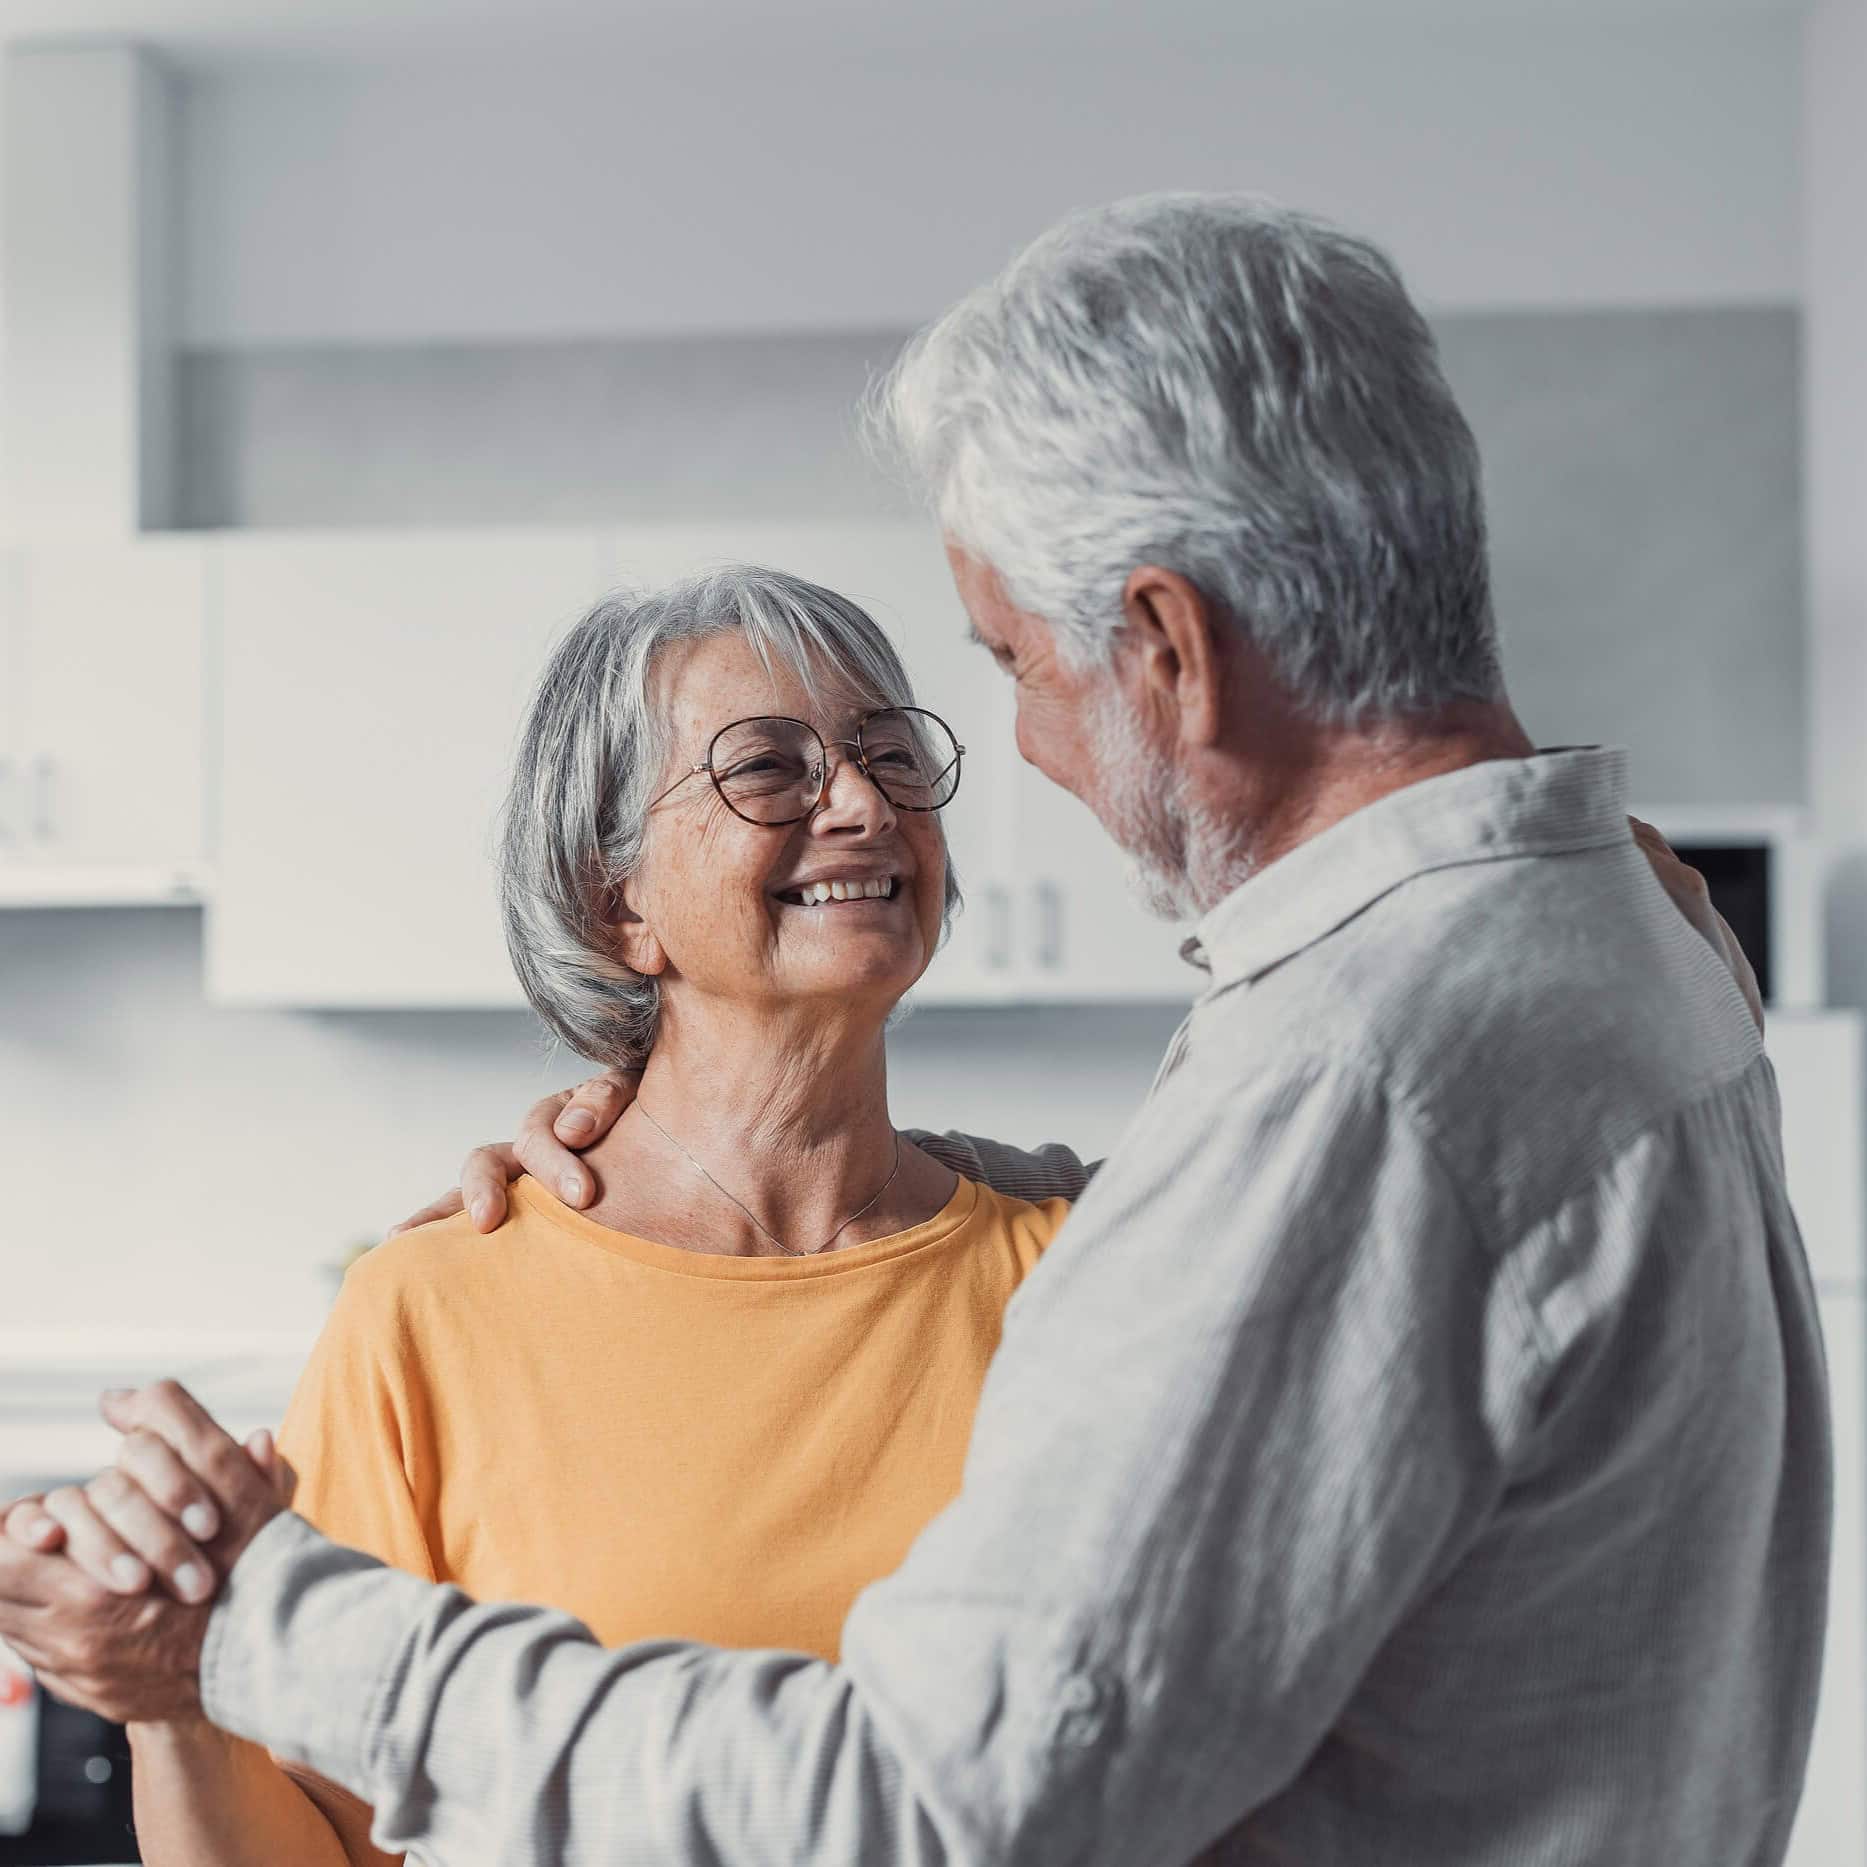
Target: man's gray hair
<point x="591" y="758"/>
<point x="1233" y="391"/>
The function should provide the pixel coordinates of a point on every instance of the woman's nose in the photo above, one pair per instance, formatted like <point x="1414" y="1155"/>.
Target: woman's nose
<point x="851" y="800"/>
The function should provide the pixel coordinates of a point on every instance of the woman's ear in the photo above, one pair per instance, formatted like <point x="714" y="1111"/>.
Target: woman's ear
<point x="635" y="941"/>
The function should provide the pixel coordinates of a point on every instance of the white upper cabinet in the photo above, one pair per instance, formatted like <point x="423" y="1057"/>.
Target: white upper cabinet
<point x="371" y="692"/>
<point x="371" y="687"/>
<point x="101" y="742"/>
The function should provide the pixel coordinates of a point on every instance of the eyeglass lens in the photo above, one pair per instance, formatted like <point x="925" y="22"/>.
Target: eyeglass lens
<point x="772" y="770"/>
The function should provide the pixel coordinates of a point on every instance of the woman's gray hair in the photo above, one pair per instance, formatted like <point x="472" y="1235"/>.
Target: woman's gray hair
<point x="592" y="755"/>
<point x="1231" y="390"/>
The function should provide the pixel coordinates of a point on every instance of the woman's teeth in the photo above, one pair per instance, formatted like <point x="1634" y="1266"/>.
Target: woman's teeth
<point x="882" y="888"/>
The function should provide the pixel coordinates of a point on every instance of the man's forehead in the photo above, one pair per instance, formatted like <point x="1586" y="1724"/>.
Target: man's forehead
<point x="995" y="618"/>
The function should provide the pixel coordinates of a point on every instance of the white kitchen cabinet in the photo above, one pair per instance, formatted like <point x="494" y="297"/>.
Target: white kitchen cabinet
<point x="371" y="691"/>
<point x="101" y="747"/>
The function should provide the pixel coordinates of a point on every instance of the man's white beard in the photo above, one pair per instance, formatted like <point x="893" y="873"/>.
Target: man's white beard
<point x="1181" y="859"/>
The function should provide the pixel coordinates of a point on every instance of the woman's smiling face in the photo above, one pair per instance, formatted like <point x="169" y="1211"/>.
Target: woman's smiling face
<point x="712" y="908"/>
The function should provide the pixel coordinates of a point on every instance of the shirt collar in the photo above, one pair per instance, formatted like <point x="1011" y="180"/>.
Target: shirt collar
<point x="1574" y="798"/>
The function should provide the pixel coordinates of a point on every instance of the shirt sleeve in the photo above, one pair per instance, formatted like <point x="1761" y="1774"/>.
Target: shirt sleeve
<point x="1248" y="1412"/>
<point x="1051" y="1171"/>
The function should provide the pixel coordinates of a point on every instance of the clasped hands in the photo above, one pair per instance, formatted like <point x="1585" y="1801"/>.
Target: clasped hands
<point x="105" y="1588"/>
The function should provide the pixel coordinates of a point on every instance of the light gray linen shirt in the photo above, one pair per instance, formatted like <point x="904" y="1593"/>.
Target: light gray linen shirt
<point x="1413" y="1451"/>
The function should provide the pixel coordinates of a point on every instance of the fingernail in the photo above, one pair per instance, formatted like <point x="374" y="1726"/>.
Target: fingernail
<point x="481" y="1210"/>
<point x="191" y="1582"/>
<point x="577" y="1121"/>
<point x="199" y="1522"/>
<point x="42" y="1528"/>
<point x="572" y="1189"/>
<point x="127" y="1572"/>
<point x="118" y="1393"/>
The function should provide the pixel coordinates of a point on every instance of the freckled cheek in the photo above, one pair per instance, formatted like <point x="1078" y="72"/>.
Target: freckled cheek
<point x="727" y="878"/>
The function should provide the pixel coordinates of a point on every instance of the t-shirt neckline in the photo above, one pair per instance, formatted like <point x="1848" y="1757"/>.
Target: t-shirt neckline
<point x="528" y="1195"/>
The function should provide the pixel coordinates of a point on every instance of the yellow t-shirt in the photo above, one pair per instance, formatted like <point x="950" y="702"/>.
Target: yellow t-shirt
<point x="661" y="1442"/>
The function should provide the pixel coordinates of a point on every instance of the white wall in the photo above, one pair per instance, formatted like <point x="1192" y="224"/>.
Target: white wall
<point x="1535" y="166"/>
<point x="168" y="1167"/>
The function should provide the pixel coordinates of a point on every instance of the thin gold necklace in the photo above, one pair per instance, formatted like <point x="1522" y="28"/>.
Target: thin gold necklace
<point x="753" y="1216"/>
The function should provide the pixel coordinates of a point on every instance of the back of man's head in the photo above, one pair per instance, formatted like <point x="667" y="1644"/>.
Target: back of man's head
<point x="1239" y="393"/>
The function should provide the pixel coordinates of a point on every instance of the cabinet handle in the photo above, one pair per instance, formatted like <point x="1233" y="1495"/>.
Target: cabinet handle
<point x="998" y="926"/>
<point x="1049" y="926"/>
<point x="41" y="807"/>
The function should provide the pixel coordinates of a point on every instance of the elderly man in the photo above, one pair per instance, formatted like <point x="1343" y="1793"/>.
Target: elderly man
<point x="1414" y="1449"/>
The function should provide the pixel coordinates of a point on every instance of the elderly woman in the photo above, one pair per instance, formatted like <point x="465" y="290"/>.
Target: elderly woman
<point x="729" y="1394"/>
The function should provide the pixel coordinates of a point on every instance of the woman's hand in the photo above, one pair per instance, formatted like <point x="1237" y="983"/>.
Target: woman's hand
<point x="1692" y="898"/>
<point x="148" y="1517"/>
<point x="553" y="1132"/>
<point x="77" y="1565"/>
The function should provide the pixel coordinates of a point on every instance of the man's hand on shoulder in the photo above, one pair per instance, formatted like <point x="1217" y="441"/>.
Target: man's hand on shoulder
<point x="554" y="1131"/>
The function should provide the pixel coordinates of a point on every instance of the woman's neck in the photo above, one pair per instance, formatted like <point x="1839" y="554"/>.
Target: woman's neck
<point x="789" y="1120"/>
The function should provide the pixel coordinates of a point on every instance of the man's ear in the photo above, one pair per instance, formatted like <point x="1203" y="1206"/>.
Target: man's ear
<point x="1174" y="632"/>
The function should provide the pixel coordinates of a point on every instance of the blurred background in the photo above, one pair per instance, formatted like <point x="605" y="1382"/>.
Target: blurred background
<point x="349" y="348"/>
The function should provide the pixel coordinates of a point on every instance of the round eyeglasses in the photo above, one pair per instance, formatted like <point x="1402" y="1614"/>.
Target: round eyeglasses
<point x="772" y="770"/>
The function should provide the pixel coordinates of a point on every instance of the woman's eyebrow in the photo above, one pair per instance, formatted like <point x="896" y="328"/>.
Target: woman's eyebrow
<point x="857" y="714"/>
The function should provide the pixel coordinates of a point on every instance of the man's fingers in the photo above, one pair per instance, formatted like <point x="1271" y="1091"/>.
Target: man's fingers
<point x="94" y="1546"/>
<point x="172" y="1414"/>
<point x="578" y="1116"/>
<point x="483" y="1178"/>
<point x="445" y="1207"/>
<point x="593" y="1108"/>
<point x="539" y="1153"/>
<point x="149" y="1533"/>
